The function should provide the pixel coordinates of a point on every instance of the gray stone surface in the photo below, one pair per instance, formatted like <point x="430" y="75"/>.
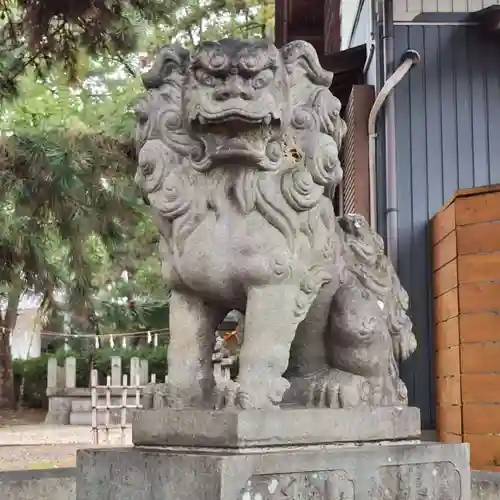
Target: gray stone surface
<point x="366" y="472"/>
<point x="233" y="429"/>
<point x="485" y="485"/>
<point x="59" y="411"/>
<point x="238" y="155"/>
<point x="48" y="484"/>
<point x="59" y="484"/>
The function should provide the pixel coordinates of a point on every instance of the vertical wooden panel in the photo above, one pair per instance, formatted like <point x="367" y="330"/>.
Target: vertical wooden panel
<point x="356" y="189"/>
<point x="281" y="22"/>
<point x="332" y="26"/>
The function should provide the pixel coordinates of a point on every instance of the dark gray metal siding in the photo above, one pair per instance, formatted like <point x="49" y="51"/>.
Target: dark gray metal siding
<point x="447" y="137"/>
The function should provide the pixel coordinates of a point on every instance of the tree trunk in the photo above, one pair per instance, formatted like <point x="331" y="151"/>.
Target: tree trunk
<point x="7" y="393"/>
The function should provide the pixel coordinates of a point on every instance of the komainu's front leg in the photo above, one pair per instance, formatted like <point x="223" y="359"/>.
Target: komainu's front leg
<point x="193" y="323"/>
<point x="271" y="320"/>
<point x="308" y="354"/>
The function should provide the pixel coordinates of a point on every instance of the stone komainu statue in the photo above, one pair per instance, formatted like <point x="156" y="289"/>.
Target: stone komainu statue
<point x="238" y="154"/>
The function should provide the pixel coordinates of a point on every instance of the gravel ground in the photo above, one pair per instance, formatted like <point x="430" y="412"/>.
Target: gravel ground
<point x="43" y="446"/>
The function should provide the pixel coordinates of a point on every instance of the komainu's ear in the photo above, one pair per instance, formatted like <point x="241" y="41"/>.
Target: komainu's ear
<point x="170" y="58"/>
<point x="300" y="54"/>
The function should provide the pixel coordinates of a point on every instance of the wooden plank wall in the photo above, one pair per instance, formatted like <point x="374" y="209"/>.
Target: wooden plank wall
<point x="466" y="289"/>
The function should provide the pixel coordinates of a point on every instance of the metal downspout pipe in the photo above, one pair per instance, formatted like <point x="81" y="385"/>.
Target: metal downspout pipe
<point x="409" y="58"/>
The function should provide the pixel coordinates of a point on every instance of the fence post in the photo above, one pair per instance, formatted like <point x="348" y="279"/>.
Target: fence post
<point x="116" y="371"/>
<point x="134" y="369"/>
<point x="137" y="392"/>
<point x="61" y="376"/>
<point x="52" y="373"/>
<point x="144" y="371"/>
<point x="94" y="402"/>
<point x="107" y="416"/>
<point x="70" y="372"/>
<point x="123" y="410"/>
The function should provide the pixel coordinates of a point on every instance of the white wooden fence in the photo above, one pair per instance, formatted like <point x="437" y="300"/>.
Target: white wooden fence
<point x="108" y="388"/>
<point x="112" y="400"/>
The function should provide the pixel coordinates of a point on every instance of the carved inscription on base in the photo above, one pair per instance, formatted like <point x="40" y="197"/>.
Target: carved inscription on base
<point x="439" y="481"/>
<point x="329" y="485"/>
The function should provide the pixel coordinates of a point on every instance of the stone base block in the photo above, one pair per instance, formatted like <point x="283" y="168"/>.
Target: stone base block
<point x="59" y="411"/>
<point x="234" y="429"/>
<point x="373" y="471"/>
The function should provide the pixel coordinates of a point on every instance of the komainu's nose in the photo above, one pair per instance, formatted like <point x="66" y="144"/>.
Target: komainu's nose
<point x="233" y="88"/>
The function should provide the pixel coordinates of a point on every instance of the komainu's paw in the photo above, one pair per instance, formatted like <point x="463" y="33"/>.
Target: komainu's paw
<point x="263" y="397"/>
<point x="338" y="389"/>
<point x="331" y="388"/>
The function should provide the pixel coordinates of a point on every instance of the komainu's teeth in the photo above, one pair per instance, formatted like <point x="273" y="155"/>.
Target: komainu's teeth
<point x="267" y="119"/>
<point x="202" y="120"/>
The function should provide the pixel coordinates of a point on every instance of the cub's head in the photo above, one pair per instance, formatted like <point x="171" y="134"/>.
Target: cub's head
<point x="366" y="244"/>
<point x="236" y="102"/>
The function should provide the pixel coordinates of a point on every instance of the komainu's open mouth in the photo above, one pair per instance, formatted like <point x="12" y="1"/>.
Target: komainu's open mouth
<point x="237" y="119"/>
<point x="237" y="135"/>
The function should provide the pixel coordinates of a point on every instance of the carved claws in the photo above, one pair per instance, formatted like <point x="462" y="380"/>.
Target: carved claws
<point x="230" y="395"/>
<point x="338" y="389"/>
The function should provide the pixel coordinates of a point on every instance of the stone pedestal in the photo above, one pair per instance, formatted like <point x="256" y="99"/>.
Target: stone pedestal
<point x="230" y="466"/>
<point x="253" y="428"/>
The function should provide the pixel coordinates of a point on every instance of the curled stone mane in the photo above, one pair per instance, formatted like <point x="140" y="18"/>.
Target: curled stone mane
<point x="310" y="145"/>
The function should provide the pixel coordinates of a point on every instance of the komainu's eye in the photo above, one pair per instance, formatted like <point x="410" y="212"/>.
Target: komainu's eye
<point x="263" y="79"/>
<point x="205" y="78"/>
